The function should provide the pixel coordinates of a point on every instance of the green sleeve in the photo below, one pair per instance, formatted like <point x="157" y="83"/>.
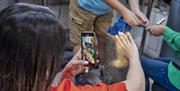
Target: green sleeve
<point x="172" y="38"/>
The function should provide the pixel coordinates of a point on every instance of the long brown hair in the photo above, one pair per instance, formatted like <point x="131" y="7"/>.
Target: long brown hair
<point x="32" y="43"/>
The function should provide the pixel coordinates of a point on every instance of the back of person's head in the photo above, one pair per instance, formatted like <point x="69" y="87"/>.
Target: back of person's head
<point x="31" y="47"/>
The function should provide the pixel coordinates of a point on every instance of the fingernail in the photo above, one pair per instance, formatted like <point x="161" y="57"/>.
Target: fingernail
<point x="86" y="70"/>
<point x="116" y="36"/>
<point x="86" y="62"/>
<point x="120" y="33"/>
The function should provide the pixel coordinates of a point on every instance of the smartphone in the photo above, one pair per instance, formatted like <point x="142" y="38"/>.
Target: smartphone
<point x="88" y="44"/>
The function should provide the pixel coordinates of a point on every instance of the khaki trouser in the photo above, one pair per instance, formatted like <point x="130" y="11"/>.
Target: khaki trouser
<point x="82" y="20"/>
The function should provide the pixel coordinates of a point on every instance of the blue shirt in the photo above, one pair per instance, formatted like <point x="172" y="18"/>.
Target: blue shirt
<point x="98" y="7"/>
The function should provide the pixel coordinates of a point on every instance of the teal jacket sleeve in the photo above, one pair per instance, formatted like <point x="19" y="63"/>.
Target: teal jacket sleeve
<point x="172" y="38"/>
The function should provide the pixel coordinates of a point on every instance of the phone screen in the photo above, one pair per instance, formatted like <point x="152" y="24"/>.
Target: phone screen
<point x="88" y="47"/>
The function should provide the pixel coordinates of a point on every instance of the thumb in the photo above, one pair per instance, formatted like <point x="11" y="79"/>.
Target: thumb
<point x="144" y="18"/>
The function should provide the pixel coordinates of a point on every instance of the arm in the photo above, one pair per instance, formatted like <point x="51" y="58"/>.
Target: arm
<point x="118" y="6"/>
<point x="134" y="5"/>
<point x="129" y="16"/>
<point x="170" y="36"/>
<point x="135" y="77"/>
<point x="132" y="18"/>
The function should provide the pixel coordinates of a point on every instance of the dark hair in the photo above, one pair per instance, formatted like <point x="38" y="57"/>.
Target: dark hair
<point x="32" y="43"/>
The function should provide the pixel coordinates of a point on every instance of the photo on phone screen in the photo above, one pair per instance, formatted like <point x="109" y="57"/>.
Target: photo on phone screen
<point x="88" y="47"/>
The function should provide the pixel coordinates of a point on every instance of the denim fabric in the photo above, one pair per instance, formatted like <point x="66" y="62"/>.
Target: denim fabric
<point x="157" y="69"/>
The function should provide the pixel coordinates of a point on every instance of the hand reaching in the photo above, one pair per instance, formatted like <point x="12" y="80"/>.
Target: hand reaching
<point x="128" y="47"/>
<point x="142" y="19"/>
<point x="156" y="30"/>
<point x="130" y="17"/>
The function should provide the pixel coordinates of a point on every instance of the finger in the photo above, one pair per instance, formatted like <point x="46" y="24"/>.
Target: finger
<point x="144" y="18"/>
<point x="78" y="70"/>
<point x="147" y="23"/>
<point x="121" y="45"/>
<point x="119" y="41"/>
<point x="136" y="20"/>
<point x="139" y="21"/>
<point x="130" y="37"/>
<point x="149" y="29"/>
<point x="79" y="62"/>
<point x="119" y="33"/>
<point x="123" y="41"/>
<point x="126" y="40"/>
<point x="86" y="69"/>
<point x="82" y="68"/>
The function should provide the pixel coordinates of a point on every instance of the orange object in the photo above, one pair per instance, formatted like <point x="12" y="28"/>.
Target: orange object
<point x="68" y="85"/>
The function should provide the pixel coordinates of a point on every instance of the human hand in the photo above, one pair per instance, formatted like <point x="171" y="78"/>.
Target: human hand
<point x="130" y="17"/>
<point x="156" y="30"/>
<point x="127" y="46"/>
<point x="74" y="67"/>
<point x="142" y="19"/>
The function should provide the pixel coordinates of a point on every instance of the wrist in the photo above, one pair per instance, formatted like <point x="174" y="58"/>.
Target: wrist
<point x="123" y="11"/>
<point x="136" y="10"/>
<point x="134" y="61"/>
<point x="135" y="58"/>
<point x="162" y="27"/>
